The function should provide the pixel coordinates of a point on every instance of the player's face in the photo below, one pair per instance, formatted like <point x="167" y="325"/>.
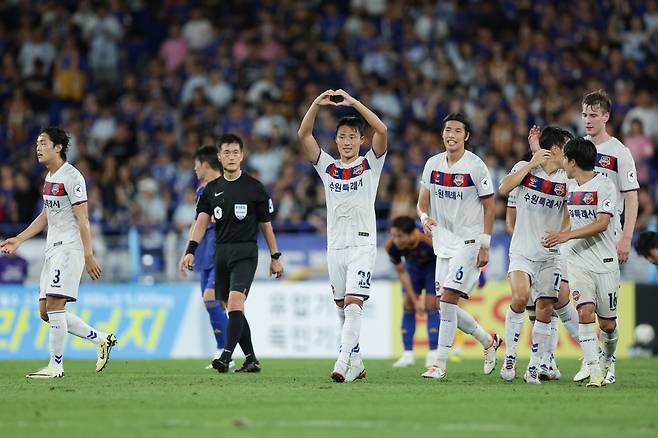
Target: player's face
<point x="454" y="136"/>
<point x="568" y="166"/>
<point x="198" y="169"/>
<point x="230" y="155"/>
<point x="594" y="119"/>
<point x="46" y="150"/>
<point x="401" y="239"/>
<point x="349" y="141"/>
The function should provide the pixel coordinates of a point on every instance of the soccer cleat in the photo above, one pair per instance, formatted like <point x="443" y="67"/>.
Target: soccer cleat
<point x="434" y="372"/>
<point x="220" y="365"/>
<point x="545" y="372"/>
<point x="554" y="369"/>
<point x="610" y="375"/>
<point x="596" y="379"/>
<point x="356" y="371"/>
<point x="406" y="360"/>
<point x="583" y="373"/>
<point x="48" y="372"/>
<point x="508" y="372"/>
<point x="531" y="376"/>
<point x="252" y="366"/>
<point x="430" y="358"/>
<point x="218" y="354"/>
<point x="103" y="351"/>
<point x="339" y="372"/>
<point x="490" y="354"/>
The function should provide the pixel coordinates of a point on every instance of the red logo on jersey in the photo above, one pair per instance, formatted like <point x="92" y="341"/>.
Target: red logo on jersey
<point x="459" y="180"/>
<point x="604" y="161"/>
<point x="560" y="189"/>
<point x="588" y="198"/>
<point x="356" y="171"/>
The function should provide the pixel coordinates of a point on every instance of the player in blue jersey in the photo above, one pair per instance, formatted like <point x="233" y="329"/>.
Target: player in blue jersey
<point x="207" y="168"/>
<point x="416" y="273"/>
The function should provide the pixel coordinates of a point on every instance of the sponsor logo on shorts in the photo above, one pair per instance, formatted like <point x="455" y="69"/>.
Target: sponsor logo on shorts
<point x="468" y="242"/>
<point x="608" y="260"/>
<point x="576" y="295"/>
<point x="363" y="234"/>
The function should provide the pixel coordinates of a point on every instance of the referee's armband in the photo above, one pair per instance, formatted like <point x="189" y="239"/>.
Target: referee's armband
<point x="191" y="247"/>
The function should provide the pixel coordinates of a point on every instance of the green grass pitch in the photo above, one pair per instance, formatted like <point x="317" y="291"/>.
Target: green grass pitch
<point x="292" y="398"/>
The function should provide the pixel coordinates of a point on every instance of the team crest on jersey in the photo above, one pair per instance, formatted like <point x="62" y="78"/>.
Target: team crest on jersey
<point x="54" y="188"/>
<point x="240" y="211"/>
<point x="218" y="213"/>
<point x="588" y="198"/>
<point x="356" y="171"/>
<point x="576" y="295"/>
<point x="560" y="189"/>
<point x="459" y="180"/>
<point x="604" y="161"/>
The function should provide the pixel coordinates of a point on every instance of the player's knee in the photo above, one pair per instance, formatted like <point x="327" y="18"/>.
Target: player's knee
<point x="449" y="296"/>
<point x="607" y="325"/>
<point x="431" y="303"/>
<point x="407" y="304"/>
<point x="586" y="313"/>
<point x="340" y="303"/>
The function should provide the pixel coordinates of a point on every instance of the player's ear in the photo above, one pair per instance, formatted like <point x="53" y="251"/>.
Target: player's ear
<point x="606" y="117"/>
<point x="468" y="135"/>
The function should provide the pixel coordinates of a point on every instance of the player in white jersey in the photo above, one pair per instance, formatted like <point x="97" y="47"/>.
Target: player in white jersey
<point x="540" y="192"/>
<point x="615" y="161"/>
<point x="350" y="185"/>
<point x="68" y="252"/>
<point x="592" y="254"/>
<point x="456" y="206"/>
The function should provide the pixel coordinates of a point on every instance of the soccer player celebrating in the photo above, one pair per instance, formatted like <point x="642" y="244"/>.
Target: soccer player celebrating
<point x="239" y="203"/>
<point x="416" y="274"/>
<point x="350" y="185"/>
<point x="592" y="255"/>
<point x="615" y="161"/>
<point x="647" y="246"/>
<point x="68" y="252"/>
<point x="540" y="195"/>
<point x="207" y="168"/>
<point x="456" y="206"/>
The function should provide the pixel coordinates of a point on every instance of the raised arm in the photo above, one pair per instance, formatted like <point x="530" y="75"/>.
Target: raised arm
<point x="513" y="180"/>
<point x="380" y="138"/>
<point x="305" y="132"/>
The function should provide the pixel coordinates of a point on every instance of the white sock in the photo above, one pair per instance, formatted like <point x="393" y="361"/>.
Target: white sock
<point x="469" y="325"/>
<point x="351" y="330"/>
<point x="609" y="343"/>
<point x="57" y="337"/>
<point x="541" y="338"/>
<point x="447" y="330"/>
<point x="513" y="327"/>
<point x="569" y="316"/>
<point x="81" y="329"/>
<point x="552" y="346"/>
<point x="589" y="343"/>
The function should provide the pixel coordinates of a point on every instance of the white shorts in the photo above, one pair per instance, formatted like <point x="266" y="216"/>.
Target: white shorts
<point x="600" y="289"/>
<point x="61" y="274"/>
<point x="459" y="273"/>
<point x="545" y="276"/>
<point x="350" y="271"/>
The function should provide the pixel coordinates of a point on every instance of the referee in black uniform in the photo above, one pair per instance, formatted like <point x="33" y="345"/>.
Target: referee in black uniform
<point x="239" y="203"/>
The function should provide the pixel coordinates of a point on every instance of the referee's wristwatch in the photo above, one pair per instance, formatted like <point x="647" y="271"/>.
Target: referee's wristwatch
<point x="275" y="256"/>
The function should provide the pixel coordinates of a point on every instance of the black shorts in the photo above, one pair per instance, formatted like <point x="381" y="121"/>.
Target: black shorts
<point x="235" y="266"/>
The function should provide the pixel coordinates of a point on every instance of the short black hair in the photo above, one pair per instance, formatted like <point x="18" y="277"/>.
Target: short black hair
<point x="645" y="242"/>
<point x="208" y="154"/>
<point x="582" y="151"/>
<point x="353" y="122"/>
<point x="229" y="138"/>
<point x="405" y="224"/>
<point x="598" y="98"/>
<point x="458" y="117"/>
<point x="57" y="136"/>
<point x="553" y="136"/>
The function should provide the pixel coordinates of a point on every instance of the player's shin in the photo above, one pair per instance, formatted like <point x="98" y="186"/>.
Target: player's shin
<point x="447" y="330"/>
<point x="57" y="337"/>
<point x="468" y="324"/>
<point x="81" y="329"/>
<point x="513" y="327"/>
<point x="351" y="331"/>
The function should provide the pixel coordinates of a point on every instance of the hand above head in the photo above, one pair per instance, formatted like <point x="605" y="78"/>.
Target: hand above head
<point x="540" y="157"/>
<point x="533" y="138"/>
<point x="324" y="98"/>
<point x="347" y="99"/>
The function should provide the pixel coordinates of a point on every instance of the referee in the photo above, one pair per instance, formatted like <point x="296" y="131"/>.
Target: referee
<point x="239" y="203"/>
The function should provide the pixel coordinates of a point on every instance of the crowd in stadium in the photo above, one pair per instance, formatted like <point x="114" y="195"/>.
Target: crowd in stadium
<point x="141" y="85"/>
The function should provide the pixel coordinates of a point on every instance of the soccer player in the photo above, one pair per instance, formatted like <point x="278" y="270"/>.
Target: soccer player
<point x="207" y="168"/>
<point x="592" y="254"/>
<point x="456" y="206"/>
<point x="534" y="271"/>
<point x="647" y="246"/>
<point x="239" y="203"/>
<point x="68" y="252"/>
<point x="416" y="274"/>
<point x="615" y="161"/>
<point x="350" y="185"/>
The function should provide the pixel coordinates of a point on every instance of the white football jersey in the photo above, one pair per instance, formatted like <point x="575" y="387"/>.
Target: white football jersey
<point x="596" y="253"/>
<point x="61" y="191"/>
<point x="615" y="161"/>
<point x="540" y="201"/>
<point x="455" y="193"/>
<point x="350" y="191"/>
